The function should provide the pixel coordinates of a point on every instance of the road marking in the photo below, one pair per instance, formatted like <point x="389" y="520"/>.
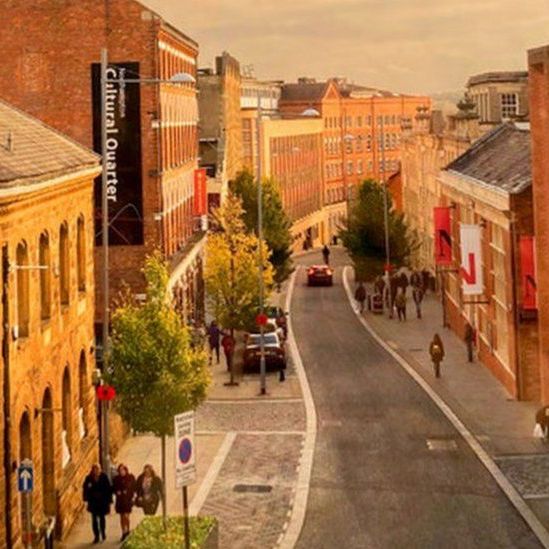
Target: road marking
<point x="254" y="401"/>
<point x="209" y="480"/>
<point x="306" y="463"/>
<point x="301" y="433"/>
<point x="508" y="489"/>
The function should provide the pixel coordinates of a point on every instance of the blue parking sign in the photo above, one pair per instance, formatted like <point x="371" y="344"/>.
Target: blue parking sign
<point x="25" y="476"/>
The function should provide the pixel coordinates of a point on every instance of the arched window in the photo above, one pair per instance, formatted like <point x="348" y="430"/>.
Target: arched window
<point x="48" y="464"/>
<point x="83" y="391"/>
<point x="64" y="264"/>
<point x="45" y="276"/>
<point x="66" y="432"/>
<point x="81" y="254"/>
<point x="23" y="301"/>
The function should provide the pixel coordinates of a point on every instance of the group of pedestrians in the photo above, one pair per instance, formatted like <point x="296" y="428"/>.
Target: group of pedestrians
<point x="98" y="492"/>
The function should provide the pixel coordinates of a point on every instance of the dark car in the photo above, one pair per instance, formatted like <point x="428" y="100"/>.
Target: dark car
<point x="275" y="356"/>
<point x="320" y="275"/>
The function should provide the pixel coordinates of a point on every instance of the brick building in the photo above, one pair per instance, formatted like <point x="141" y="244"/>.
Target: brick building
<point x="538" y="75"/>
<point x="490" y="185"/>
<point x="47" y="238"/>
<point x="50" y="74"/>
<point x="220" y="130"/>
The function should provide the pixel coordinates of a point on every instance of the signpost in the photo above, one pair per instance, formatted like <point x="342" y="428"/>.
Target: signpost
<point x="185" y="469"/>
<point x="25" y="485"/>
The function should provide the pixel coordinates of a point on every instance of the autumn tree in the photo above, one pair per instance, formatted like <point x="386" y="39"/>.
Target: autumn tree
<point x="154" y="369"/>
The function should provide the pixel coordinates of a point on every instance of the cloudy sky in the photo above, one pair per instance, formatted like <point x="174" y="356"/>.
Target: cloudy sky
<point x="404" y="45"/>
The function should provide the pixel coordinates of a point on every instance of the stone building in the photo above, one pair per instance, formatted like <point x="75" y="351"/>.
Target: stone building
<point x="499" y="96"/>
<point x="538" y="75"/>
<point x="52" y="72"/>
<point x="427" y="147"/>
<point x="490" y="185"/>
<point x="220" y="130"/>
<point x="47" y="239"/>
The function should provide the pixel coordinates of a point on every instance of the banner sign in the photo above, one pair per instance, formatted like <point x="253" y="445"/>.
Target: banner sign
<point x="443" y="239"/>
<point x="528" y="273"/>
<point x="471" y="264"/>
<point x="200" y="201"/>
<point x="123" y="151"/>
<point x="185" y="455"/>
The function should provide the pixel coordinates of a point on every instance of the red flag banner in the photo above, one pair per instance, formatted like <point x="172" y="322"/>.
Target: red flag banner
<point x="443" y="239"/>
<point x="200" y="203"/>
<point x="471" y="259"/>
<point x="528" y="273"/>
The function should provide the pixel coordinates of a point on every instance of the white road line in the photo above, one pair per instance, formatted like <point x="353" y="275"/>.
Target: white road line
<point x="302" y="490"/>
<point x="509" y="490"/>
<point x="208" y="481"/>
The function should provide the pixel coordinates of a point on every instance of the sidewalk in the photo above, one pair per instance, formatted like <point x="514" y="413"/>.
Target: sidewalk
<point x="502" y="425"/>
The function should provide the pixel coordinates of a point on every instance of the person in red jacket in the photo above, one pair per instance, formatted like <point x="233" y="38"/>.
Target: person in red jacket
<point x="124" y="490"/>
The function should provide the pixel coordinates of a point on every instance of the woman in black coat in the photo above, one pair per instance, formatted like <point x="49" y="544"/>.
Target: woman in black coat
<point x="98" y="495"/>
<point x="149" y="490"/>
<point x="124" y="490"/>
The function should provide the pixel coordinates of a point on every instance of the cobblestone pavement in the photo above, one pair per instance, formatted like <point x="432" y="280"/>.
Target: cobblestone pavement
<point x="528" y="473"/>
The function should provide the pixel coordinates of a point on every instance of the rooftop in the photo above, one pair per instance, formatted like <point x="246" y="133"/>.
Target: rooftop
<point x="31" y="152"/>
<point x="501" y="159"/>
<point x="304" y="91"/>
<point x="499" y="76"/>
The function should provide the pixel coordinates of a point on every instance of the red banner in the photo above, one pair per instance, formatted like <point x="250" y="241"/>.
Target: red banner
<point x="443" y="239"/>
<point x="528" y="273"/>
<point x="200" y="202"/>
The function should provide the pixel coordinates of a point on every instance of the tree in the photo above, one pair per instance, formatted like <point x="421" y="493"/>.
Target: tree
<point x="276" y="223"/>
<point x="231" y="273"/>
<point x="363" y="234"/>
<point x="154" y="369"/>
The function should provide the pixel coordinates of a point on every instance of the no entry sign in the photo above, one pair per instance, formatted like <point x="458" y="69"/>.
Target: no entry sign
<point x="185" y="469"/>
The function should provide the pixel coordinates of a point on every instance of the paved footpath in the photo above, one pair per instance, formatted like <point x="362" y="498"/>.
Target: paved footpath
<point x="501" y="424"/>
<point x="249" y="450"/>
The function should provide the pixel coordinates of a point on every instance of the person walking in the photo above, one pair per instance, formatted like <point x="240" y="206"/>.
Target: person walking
<point x="417" y="295"/>
<point x="97" y="493"/>
<point x="148" y="490"/>
<point x="400" y="302"/>
<point x="416" y="280"/>
<point x="470" y="338"/>
<point x="326" y="254"/>
<point x="214" y="337"/>
<point x="360" y="295"/>
<point x="436" y="350"/>
<point x="228" y="343"/>
<point x="403" y="282"/>
<point x="393" y="291"/>
<point x="123" y="486"/>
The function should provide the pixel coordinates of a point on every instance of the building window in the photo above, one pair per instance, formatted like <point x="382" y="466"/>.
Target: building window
<point x="81" y="254"/>
<point x="369" y="142"/>
<point x="83" y="387"/>
<point x="64" y="264"/>
<point x="359" y="167"/>
<point x="23" y="298"/>
<point x="66" y="410"/>
<point x="358" y="145"/>
<point x="359" y="121"/>
<point x="45" y="276"/>
<point x="348" y="146"/>
<point x="509" y="105"/>
<point x="350" y="167"/>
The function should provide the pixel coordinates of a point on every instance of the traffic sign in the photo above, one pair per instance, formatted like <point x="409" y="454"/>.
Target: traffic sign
<point x="261" y="319"/>
<point x="185" y="468"/>
<point x="105" y="392"/>
<point x="25" y="476"/>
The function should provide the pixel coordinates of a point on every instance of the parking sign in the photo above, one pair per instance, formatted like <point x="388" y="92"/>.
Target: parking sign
<point x="185" y="470"/>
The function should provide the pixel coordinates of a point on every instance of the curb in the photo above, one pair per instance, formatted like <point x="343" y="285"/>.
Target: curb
<point x="508" y="489"/>
<point x="299" y="508"/>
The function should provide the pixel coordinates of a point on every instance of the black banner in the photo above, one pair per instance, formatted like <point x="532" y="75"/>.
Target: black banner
<point x="124" y="185"/>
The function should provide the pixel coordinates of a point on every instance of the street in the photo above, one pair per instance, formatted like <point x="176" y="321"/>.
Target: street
<point x="389" y="469"/>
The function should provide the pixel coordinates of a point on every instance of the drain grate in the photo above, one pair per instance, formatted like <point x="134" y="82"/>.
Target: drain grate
<point x="441" y="444"/>
<point x="254" y="488"/>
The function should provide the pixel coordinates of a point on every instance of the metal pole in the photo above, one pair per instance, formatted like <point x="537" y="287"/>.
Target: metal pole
<point x="385" y="202"/>
<point x="28" y="520"/>
<point x="262" y="365"/>
<point x="186" y="518"/>
<point x="105" y="459"/>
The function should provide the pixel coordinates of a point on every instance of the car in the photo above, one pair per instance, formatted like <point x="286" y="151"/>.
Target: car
<point x="275" y="355"/>
<point x="271" y="326"/>
<point x="278" y="315"/>
<point x="320" y="275"/>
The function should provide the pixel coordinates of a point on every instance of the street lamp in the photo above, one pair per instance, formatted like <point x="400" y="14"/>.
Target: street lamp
<point x="385" y="206"/>
<point x="179" y="78"/>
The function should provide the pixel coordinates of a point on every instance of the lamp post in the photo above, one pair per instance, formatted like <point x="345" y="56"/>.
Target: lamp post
<point x="179" y="78"/>
<point x="385" y="205"/>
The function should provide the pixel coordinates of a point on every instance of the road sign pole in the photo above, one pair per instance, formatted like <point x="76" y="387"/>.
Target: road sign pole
<point x="186" y="518"/>
<point x="28" y="519"/>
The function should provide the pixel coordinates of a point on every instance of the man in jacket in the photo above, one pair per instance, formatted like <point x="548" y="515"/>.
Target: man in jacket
<point x="97" y="493"/>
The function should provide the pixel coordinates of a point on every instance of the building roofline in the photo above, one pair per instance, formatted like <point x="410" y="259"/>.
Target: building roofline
<point x="497" y="76"/>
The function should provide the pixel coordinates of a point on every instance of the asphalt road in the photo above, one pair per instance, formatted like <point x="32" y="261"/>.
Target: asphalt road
<point x="375" y="482"/>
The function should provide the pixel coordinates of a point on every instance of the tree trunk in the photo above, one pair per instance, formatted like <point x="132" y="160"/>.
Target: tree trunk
<point x="163" y="460"/>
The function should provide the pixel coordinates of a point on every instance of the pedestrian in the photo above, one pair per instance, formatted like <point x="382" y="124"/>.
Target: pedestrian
<point x="426" y="276"/>
<point x="379" y="285"/>
<point x="148" y="490"/>
<point x="416" y="280"/>
<point x="403" y="282"/>
<point x="214" y="336"/>
<point x="417" y="295"/>
<point x="393" y="290"/>
<point x="326" y="254"/>
<point x="97" y="493"/>
<point x="400" y="303"/>
<point x="360" y="295"/>
<point x="436" y="350"/>
<point x="228" y="344"/>
<point x="124" y="489"/>
<point x="470" y="338"/>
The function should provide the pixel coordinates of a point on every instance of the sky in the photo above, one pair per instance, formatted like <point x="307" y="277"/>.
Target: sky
<point x="407" y="46"/>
